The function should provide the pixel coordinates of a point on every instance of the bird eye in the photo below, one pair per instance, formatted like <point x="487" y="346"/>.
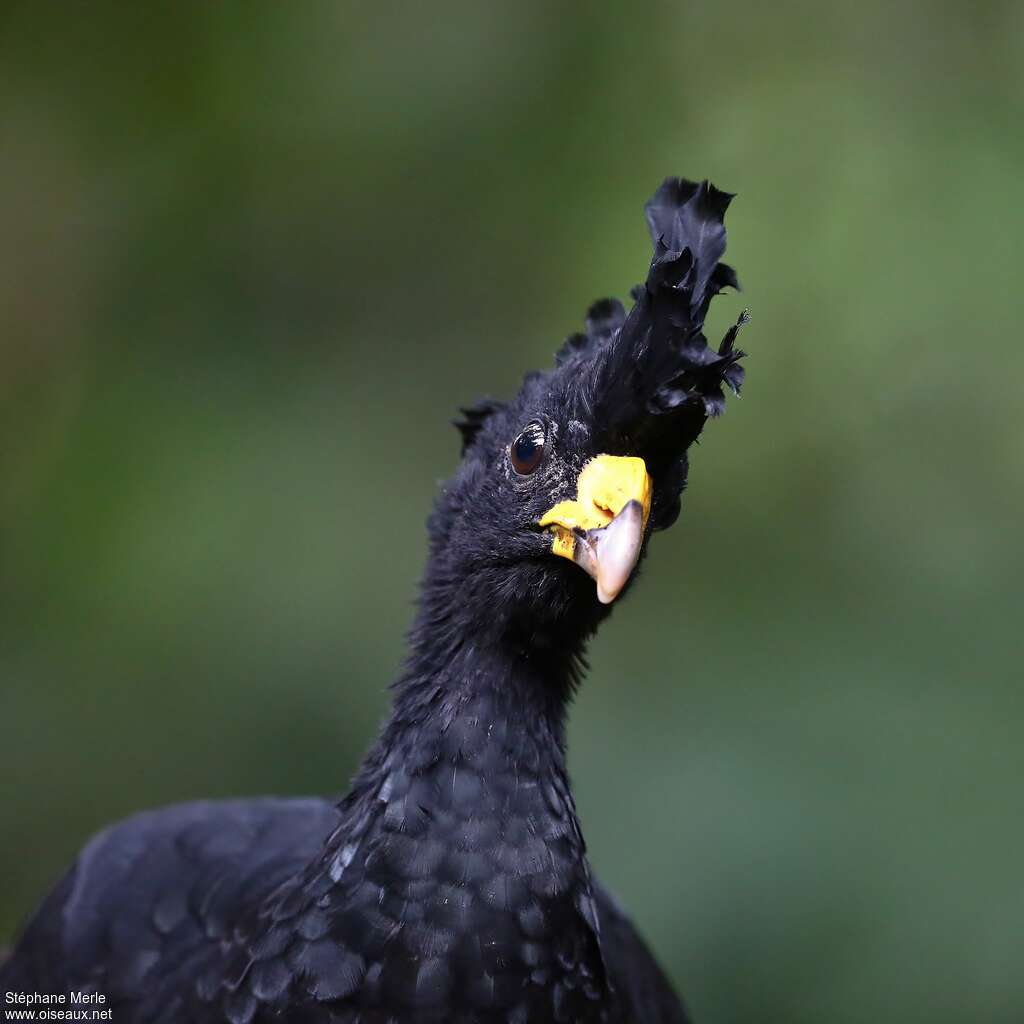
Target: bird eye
<point x="527" y="449"/>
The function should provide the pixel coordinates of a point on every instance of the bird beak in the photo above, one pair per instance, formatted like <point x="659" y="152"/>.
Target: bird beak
<point x="602" y="529"/>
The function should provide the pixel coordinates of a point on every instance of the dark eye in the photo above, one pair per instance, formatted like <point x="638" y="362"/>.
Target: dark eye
<point x="527" y="449"/>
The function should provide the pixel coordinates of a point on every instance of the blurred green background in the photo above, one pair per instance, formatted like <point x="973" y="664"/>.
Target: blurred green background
<point x="253" y="257"/>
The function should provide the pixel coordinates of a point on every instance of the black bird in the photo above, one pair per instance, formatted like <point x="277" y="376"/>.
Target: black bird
<point x="451" y="884"/>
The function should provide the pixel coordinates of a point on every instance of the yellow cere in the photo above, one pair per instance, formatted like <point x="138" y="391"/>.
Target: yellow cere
<point x="604" y="486"/>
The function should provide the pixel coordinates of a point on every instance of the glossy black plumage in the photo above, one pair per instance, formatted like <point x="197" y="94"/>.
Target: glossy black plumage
<point x="451" y="883"/>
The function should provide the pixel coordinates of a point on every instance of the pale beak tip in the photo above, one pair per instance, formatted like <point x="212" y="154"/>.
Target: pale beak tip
<point x="617" y="549"/>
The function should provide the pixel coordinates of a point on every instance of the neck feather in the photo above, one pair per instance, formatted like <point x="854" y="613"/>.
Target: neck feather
<point x="458" y="858"/>
<point x="496" y="709"/>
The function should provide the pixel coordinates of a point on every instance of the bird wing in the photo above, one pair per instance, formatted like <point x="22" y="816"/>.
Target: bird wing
<point x="644" y="993"/>
<point x="165" y="887"/>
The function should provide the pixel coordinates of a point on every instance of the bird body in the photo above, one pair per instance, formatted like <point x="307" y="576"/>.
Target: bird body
<point x="451" y="884"/>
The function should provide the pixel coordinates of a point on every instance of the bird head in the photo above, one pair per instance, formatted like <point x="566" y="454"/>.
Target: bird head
<point x="559" y="489"/>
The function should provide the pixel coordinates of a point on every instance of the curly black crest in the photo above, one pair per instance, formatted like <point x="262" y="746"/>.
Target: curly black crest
<point x="659" y="350"/>
<point x="651" y="376"/>
<point x="688" y="231"/>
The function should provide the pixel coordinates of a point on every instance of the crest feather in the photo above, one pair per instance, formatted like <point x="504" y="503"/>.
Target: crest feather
<point x="663" y="335"/>
<point x="604" y="319"/>
<point x="473" y="418"/>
